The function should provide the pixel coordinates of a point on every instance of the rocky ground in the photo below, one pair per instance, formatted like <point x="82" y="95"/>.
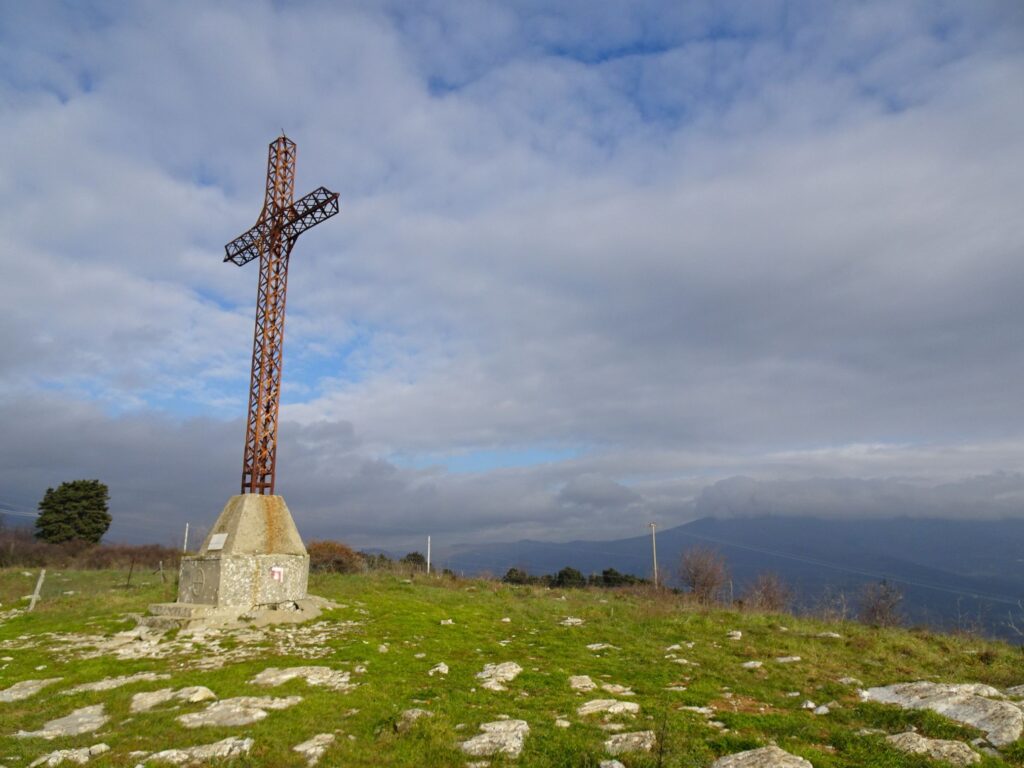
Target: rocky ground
<point x="440" y="672"/>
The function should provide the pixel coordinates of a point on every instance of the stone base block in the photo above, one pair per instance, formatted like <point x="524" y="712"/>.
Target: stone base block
<point x="244" y="581"/>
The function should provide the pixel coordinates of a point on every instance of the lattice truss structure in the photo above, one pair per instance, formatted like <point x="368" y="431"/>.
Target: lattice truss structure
<point x="271" y="240"/>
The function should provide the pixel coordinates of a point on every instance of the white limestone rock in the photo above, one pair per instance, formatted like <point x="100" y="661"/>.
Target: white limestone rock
<point x="734" y="634"/>
<point x="313" y="749"/>
<point x="706" y="711"/>
<point x="766" y="757"/>
<point x="409" y="717"/>
<point x="84" y="720"/>
<point x="787" y="659"/>
<point x="79" y="756"/>
<point x="225" y="749"/>
<point x="617" y="690"/>
<point x="26" y="688"/>
<point x="752" y="664"/>
<point x="611" y="706"/>
<point x="494" y="676"/>
<point x="438" y="669"/>
<point x="582" y="683"/>
<point x="335" y="679"/>
<point x="974" y="704"/>
<point x="637" y="741"/>
<point x="955" y="752"/>
<point x="242" y="710"/>
<point x="571" y="621"/>
<point x="111" y="683"/>
<point x="147" y="700"/>
<point x="500" y="737"/>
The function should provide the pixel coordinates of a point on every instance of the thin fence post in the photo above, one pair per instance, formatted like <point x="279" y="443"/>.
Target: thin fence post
<point x="38" y="590"/>
<point x="130" y="569"/>
<point x="163" y="576"/>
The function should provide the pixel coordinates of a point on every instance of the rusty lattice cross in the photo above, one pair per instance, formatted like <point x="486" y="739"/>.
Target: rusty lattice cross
<point x="271" y="239"/>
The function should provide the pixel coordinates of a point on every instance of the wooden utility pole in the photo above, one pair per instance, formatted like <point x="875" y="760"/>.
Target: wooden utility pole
<point x="654" y="553"/>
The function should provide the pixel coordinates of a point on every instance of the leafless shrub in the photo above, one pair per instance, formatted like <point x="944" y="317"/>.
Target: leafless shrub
<point x="879" y="605"/>
<point x="20" y="548"/>
<point x="704" y="573"/>
<point x="768" y="593"/>
<point x="833" y="605"/>
<point x="1015" y="619"/>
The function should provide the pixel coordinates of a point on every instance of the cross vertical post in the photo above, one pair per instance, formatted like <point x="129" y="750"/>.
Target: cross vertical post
<point x="271" y="239"/>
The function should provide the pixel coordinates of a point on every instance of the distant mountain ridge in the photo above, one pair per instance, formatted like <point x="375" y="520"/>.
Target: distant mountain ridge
<point x="952" y="572"/>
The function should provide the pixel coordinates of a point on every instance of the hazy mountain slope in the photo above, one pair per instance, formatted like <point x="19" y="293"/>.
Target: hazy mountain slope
<point x="951" y="571"/>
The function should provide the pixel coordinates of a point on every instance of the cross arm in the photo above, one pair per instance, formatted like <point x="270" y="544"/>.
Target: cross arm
<point x="319" y="205"/>
<point x="246" y="246"/>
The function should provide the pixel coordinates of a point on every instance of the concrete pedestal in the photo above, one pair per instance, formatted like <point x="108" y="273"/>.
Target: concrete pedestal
<point x="252" y="559"/>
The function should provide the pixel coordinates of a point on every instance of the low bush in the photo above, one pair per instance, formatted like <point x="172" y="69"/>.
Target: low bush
<point x="334" y="557"/>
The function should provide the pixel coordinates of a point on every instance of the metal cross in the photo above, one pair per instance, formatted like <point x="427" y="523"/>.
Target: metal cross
<point x="271" y="239"/>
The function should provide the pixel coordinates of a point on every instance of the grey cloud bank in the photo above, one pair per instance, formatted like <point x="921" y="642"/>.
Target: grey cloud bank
<point x="689" y="244"/>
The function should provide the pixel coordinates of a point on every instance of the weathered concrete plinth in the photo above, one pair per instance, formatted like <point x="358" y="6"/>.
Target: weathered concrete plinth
<point x="252" y="560"/>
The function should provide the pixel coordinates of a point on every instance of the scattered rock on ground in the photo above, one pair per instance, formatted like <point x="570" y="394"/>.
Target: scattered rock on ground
<point x="500" y="737"/>
<point x="582" y="683"/>
<point x="706" y="711"/>
<point x="26" y="688"/>
<point x="111" y="683"/>
<point x="1017" y="691"/>
<point x="409" y="717"/>
<point x="80" y="756"/>
<point x="734" y="635"/>
<point x="955" y="752"/>
<point x="84" y="720"/>
<point x="335" y="679"/>
<point x="611" y="706"/>
<point x="601" y="647"/>
<point x="147" y="700"/>
<point x="242" y="710"/>
<point x="766" y="757"/>
<point x="969" y="703"/>
<point x="495" y="675"/>
<point x="313" y="749"/>
<point x="438" y="669"/>
<point x="752" y="664"/>
<point x="571" y="621"/>
<point x="611" y="764"/>
<point x="787" y="659"/>
<point x="617" y="690"/>
<point x="561" y="722"/>
<point x="850" y="681"/>
<point x="638" y="741"/>
<point x="202" y="754"/>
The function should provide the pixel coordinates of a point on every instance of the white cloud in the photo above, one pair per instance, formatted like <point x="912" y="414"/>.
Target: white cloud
<point x="688" y="242"/>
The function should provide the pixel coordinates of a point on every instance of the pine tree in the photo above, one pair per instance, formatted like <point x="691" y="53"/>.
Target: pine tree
<point x="76" y="510"/>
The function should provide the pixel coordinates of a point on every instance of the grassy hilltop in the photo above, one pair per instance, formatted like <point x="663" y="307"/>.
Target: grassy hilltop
<point x="389" y="633"/>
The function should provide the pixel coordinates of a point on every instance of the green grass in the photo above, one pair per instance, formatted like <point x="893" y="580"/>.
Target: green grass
<point x="752" y="704"/>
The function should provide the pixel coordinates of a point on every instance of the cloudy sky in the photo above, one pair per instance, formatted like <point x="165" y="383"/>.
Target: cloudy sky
<point x="591" y="263"/>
